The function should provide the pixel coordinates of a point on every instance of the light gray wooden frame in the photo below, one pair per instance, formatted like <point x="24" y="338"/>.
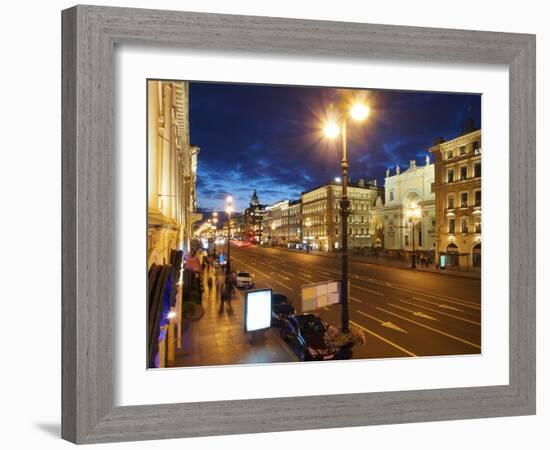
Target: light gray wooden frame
<point x="89" y="37"/>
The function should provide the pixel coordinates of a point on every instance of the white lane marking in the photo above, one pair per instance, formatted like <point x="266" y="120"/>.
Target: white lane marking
<point x="256" y="269"/>
<point x="285" y="278"/>
<point x="387" y="341"/>
<point x="355" y="300"/>
<point x="381" y="322"/>
<point x="284" y="285"/>
<point x="305" y="274"/>
<point x="452" y="308"/>
<point x="304" y="279"/>
<point x="368" y="290"/>
<point x="442" y="297"/>
<point x="435" y="330"/>
<point x="441" y="305"/>
<point x="441" y="312"/>
<point x="288" y="273"/>
<point x="414" y="313"/>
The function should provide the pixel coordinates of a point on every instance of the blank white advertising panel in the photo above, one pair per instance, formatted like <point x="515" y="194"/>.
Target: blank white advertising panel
<point x="257" y="310"/>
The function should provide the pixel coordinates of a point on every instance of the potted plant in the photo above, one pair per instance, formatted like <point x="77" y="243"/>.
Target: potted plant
<point x="342" y="343"/>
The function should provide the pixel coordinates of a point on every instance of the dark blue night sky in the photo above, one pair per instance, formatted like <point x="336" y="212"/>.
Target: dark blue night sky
<point x="269" y="138"/>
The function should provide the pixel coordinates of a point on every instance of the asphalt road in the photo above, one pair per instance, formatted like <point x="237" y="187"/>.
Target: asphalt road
<point x="405" y="313"/>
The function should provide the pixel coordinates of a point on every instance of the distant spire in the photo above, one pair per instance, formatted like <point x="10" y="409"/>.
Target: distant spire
<point x="254" y="200"/>
<point x="427" y="160"/>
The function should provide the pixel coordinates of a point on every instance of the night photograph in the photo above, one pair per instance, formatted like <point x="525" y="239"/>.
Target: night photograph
<point x="291" y="223"/>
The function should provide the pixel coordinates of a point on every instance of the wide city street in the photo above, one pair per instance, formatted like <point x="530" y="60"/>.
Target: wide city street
<point x="404" y="312"/>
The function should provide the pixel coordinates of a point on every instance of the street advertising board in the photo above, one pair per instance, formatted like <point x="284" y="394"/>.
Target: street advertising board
<point x="317" y="295"/>
<point x="257" y="310"/>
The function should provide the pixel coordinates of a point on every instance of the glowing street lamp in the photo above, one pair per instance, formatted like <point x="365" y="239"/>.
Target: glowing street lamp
<point x="228" y="210"/>
<point x="358" y="112"/>
<point x="414" y="213"/>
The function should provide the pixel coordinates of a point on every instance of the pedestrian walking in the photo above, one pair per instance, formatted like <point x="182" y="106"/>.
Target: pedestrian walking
<point x="223" y="297"/>
<point x="218" y="286"/>
<point x="210" y="284"/>
<point x="229" y="290"/>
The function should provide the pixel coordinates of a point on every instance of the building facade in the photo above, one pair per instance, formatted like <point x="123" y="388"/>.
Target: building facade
<point x="404" y="191"/>
<point x="321" y="221"/>
<point x="282" y="224"/>
<point x="253" y="218"/>
<point x="457" y="190"/>
<point x="172" y="171"/>
<point x="275" y="229"/>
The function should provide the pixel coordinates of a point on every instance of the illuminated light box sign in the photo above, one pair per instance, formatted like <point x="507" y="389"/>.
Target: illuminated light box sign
<point x="317" y="295"/>
<point x="257" y="310"/>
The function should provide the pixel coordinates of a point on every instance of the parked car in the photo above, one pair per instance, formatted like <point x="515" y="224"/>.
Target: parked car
<point x="305" y="333"/>
<point x="281" y="308"/>
<point x="243" y="279"/>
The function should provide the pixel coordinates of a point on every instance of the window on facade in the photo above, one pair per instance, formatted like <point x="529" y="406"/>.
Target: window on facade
<point x="477" y="169"/>
<point x="449" y="154"/>
<point x="450" y="202"/>
<point x="362" y="219"/>
<point x="464" y="200"/>
<point x="450" y="175"/>
<point x="463" y="172"/>
<point x="391" y="196"/>
<point x="451" y="226"/>
<point x="464" y="225"/>
<point x="477" y="226"/>
<point x="463" y="150"/>
<point x="477" y="195"/>
<point x="362" y="231"/>
<point x="368" y="231"/>
<point x="406" y="240"/>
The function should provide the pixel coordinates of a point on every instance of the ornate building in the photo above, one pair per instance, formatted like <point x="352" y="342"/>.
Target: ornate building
<point x="321" y="227"/>
<point x="404" y="190"/>
<point x="457" y="190"/>
<point x="172" y="171"/>
<point x="252" y="220"/>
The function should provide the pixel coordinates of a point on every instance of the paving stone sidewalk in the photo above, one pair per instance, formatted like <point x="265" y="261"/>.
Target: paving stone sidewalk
<point x="218" y="338"/>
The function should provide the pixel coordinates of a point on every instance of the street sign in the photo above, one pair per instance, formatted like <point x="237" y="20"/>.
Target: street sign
<point x="317" y="295"/>
<point x="257" y="310"/>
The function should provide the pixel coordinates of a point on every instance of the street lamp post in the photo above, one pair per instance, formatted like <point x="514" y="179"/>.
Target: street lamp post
<point x="358" y="112"/>
<point x="414" y="213"/>
<point x="228" y="210"/>
<point x="215" y="227"/>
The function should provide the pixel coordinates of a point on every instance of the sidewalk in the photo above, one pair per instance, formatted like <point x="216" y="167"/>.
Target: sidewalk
<point x="218" y="337"/>
<point x="392" y="262"/>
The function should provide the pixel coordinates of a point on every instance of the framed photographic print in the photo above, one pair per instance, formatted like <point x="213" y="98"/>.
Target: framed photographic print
<point x="244" y="198"/>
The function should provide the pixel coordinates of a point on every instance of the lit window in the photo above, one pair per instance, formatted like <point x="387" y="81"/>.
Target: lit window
<point x="450" y="175"/>
<point x="451" y="226"/>
<point x="464" y="225"/>
<point x="477" y="169"/>
<point x="477" y="200"/>
<point x="464" y="200"/>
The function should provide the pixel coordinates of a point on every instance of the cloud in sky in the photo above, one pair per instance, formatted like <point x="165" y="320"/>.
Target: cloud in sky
<point x="269" y="138"/>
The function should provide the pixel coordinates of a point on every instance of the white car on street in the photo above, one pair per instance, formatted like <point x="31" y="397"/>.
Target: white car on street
<point x="243" y="279"/>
